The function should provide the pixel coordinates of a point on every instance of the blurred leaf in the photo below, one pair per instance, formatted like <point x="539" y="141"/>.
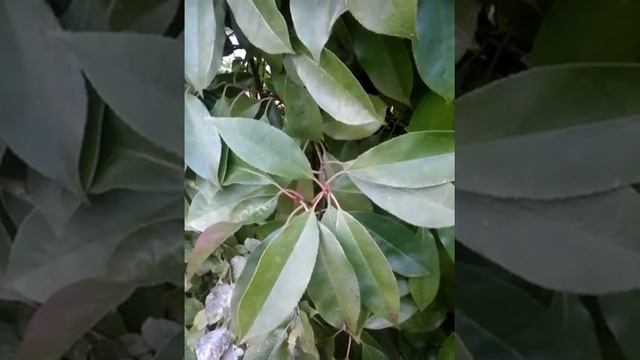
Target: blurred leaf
<point x="54" y="202"/>
<point x="8" y="341"/>
<point x="86" y="15"/>
<point x="302" y="118"/>
<point x="262" y="24"/>
<point x="159" y="332"/>
<point x="203" y="147"/>
<point x="622" y="315"/>
<point x="425" y="288"/>
<point x="391" y="17"/>
<point x="432" y="113"/>
<point x="152" y="16"/>
<point x="313" y="20"/>
<point x="447" y="350"/>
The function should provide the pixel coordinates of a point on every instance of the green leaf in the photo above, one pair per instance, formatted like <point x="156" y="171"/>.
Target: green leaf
<point x="334" y="286"/>
<point x="386" y="61"/>
<point x="408" y="254"/>
<point x="533" y="331"/>
<point x="267" y="292"/>
<point x="335" y="89"/>
<point x="510" y="154"/>
<point x="434" y="46"/>
<point x="414" y="160"/>
<point x="149" y="16"/>
<point x="269" y="349"/>
<point x="204" y="39"/>
<point x="588" y="36"/>
<point x="342" y="131"/>
<point x="56" y="103"/>
<point x="378" y="286"/>
<point x="203" y="148"/>
<point x="313" y="20"/>
<point x="302" y="118"/>
<point x="208" y="241"/>
<point x="448" y="241"/>
<point x="53" y="329"/>
<point x="432" y="113"/>
<point x="53" y="201"/>
<point x="447" y="350"/>
<point x="264" y="147"/>
<point x="583" y="232"/>
<point x="142" y="93"/>
<point x="425" y="288"/>
<point x="371" y="353"/>
<point x="262" y="24"/>
<point x="431" y="207"/>
<point x="42" y="263"/>
<point x="407" y="309"/>
<point x="391" y="17"/>
<point x="622" y="315"/>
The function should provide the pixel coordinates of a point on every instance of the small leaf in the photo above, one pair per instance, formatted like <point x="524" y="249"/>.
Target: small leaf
<point x="447" y="239"/>
<point x="208" y="242"/>
<point x="53" y="329"/>
<point x="204" y="39"/>
<point x="448" y="349"/>
<point x="432" y="113"/>
<point x="378" y="286"/>
<point x="335" y="89"/>
<point x="425" y="288"/>
<point x="391" y="17"/>
<point x="386" y="61"/>
<point x="203" y="148"/>
<point x="434" y="46"/>
<point x="313" y="20"/>
<point x="414" y="160"/>
<point x="264" y="147"/>
<point x="262" y="24"/>
<point x="431" y="207"/>
<point x="334" y="286"/>
<point x="269" y="288"/>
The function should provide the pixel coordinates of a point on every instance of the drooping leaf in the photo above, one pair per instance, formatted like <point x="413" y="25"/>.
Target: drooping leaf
<point x="204" y="38"/>
<point x="414" y="160"/>
<point x="589" y="231"/>
<point x="268" y="291"/>
<point x="262" y="23"/>
<point x="264" y="147"/>
<point x="386" y="61"/>
<point x="203" y="148"/>
<point x="434" y="46"/>
<point x="335" y="89"/>
<point x="391" y="17"/>
<point x="56" y="103"/>
<point x="431" y="207"/>
<point x="378" y="287"/>
<point x="208" y="242"/>
<point x="140" y="91"/>
<point x="510" y="150"/>
<point x="313" y="20"/>
<point x="622" y="315"/>
<point x="53" y="328"/>
<point x="334" y="286"/>
<point x="432" y="113"/>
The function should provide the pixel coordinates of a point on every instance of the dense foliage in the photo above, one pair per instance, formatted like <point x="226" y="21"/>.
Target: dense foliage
<point x="548" y="122"/>
<point x="91" y="180"/>
<point x="319" y="198"/>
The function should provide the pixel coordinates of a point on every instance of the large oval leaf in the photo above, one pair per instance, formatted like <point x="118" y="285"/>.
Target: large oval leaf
<point x="313" y="20"/>
<point x="574" y="237"/>
<point x="267" y="292"/>
<point x="202" y="148"/>
<point x="262" y="24"/>
<point x="431" y="207"/>
<point x="335" y="89"/>
<point x="434" y="46"/>
<point x="532" y="144"/>
<point x="391" y="17"/>
<point x="264" y="147"/>
<point x="203" y="41"/>
<point x="414" y="160"/>
<point x="378" y="287"/>
<point x="334" y="286"/>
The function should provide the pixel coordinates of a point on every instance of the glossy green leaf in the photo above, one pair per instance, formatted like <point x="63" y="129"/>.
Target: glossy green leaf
<point x="622" y="315"/>
<point x="408" y="254"/>
<point x="264" y="147"/>
<point x="335" y="89"/>
<point x="434" y="46"/>
<point x="533" y="331"/>
<point x="313" y="20"/>
<point x="391" y="17"/>
<point x="334" y="286"/>
<point x="204" y="38"/>
<point x="267" y="292"/>
<point x="425" y="288"/>
<point x="552" y="111"/>
<point x="588" y="230"/>
<point x="203" y="148"/>
<point x="414" y="160"/>
<point x="56" y="103"/>
<point x="386" y="61"/>
<point x="378" y="286"/>
<point x="432" y="113"/>
<point x="142" y="93"/>
<point x="262" y="23"/>
<point x="53" y="329"/>
<point x="341" y="131"/>
<point x="447" y="239"/>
